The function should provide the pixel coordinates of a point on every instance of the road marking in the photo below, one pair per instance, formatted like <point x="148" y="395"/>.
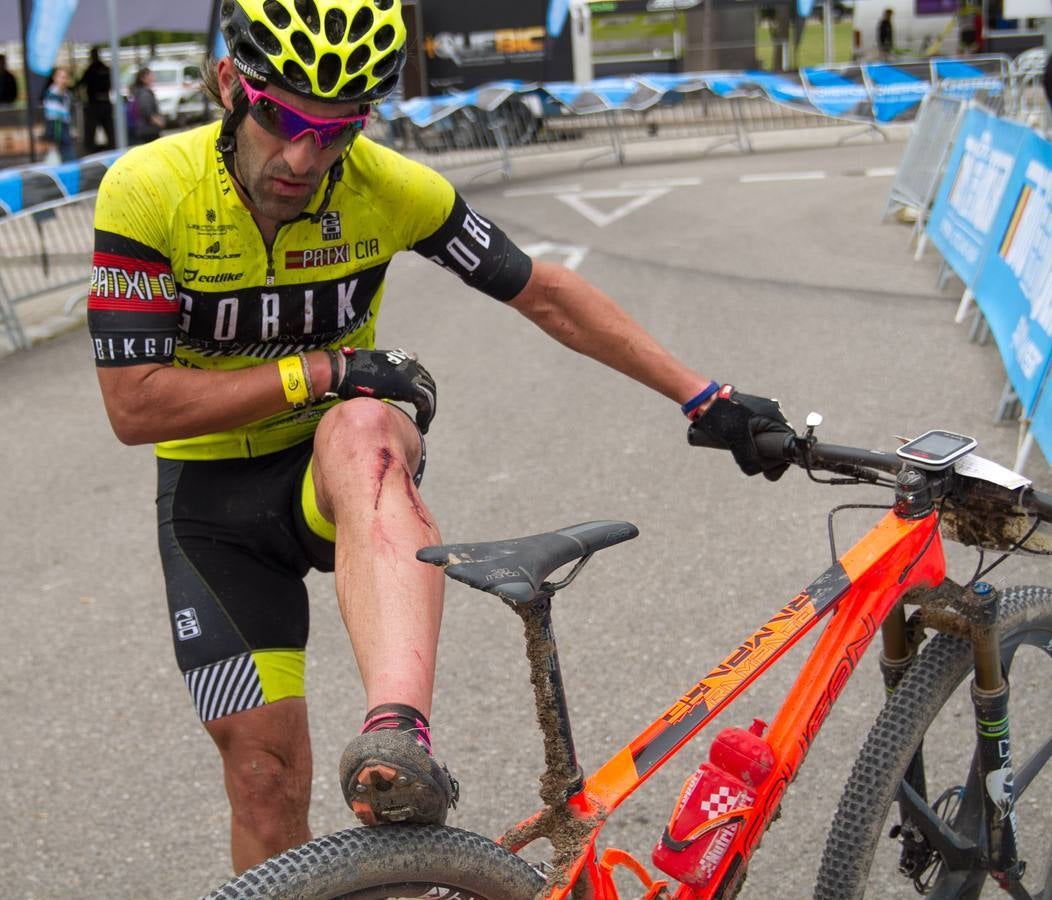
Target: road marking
<point x="548" y="189"/>
<point x="886" y="172"/>
<point x="572" y="255"/>
<point x="782" y="176"/>
<point x="660" y="183"/>
<point x="633" y="200"/>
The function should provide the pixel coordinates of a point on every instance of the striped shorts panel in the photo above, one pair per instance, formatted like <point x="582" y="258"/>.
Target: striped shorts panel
<point x="225" y="687"/>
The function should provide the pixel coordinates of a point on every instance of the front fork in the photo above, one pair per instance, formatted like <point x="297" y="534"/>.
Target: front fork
<point x="975" y="616"/>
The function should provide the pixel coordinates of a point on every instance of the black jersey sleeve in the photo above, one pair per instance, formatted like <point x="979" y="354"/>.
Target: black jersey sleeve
<point x="133" y="304"/>
<point x="479" y="252"/>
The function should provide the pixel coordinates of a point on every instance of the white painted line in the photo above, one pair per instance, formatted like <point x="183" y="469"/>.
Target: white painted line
<point x="548" y="189"/>
<point x="572" y="255"/>
<point x="886" y="172"/>
<point x="633" y="201"/>
<point x="667" y="182"/>
<point x="782" y="176"/>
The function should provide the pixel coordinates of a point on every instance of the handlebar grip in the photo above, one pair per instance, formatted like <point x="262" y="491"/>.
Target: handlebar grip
<point x="775" y="445"/>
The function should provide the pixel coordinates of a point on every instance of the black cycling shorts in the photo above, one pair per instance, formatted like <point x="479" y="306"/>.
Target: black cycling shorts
<point x="237" y="537"/>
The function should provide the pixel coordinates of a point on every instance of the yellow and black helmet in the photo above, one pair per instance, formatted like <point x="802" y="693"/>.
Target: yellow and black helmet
<point x="336" y="50"/>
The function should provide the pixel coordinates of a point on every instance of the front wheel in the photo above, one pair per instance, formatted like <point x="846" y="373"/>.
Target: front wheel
<point x="939" y="824"/>
<point x="389" y="861"/>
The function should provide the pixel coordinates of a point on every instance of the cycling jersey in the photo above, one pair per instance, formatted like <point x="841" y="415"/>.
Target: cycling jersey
<point x="181" y="273"/>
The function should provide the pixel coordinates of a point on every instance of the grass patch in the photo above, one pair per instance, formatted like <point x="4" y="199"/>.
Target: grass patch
<point x="812" y="46"/>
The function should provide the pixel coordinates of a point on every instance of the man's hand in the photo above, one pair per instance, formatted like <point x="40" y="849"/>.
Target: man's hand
<point x="386" y="375"/>
<point x="732" y="422"/>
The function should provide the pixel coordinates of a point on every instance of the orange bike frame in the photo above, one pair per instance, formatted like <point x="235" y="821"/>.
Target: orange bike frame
<point x="860" y="590"/>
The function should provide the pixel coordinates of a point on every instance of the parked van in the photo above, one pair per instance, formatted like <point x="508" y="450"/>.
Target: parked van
<point x="180" y="97"/>
<point x="920" y="28"/>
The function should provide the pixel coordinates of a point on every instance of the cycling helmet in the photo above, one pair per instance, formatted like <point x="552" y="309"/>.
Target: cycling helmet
<point x="336" y="50"/>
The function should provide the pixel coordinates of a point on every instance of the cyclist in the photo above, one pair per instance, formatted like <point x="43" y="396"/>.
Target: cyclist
<point x="237" y="275"/>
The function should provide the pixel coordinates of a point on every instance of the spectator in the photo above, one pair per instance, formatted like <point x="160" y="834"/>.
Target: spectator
<point x="58" y="117"/>
<point x="147" y="119"/>
<point x="95" y="84"/>
<point x="886" y="35"/>
<point x="8" y="85"/>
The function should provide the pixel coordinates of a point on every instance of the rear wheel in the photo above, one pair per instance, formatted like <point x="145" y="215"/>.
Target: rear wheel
<point x="389" y="861"/>
<point x="932" y="704"/>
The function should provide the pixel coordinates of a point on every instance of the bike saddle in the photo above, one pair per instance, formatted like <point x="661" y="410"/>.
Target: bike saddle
<point x="515" y="569"/>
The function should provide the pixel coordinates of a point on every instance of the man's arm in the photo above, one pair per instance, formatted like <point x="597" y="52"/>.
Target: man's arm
<point x="579" y="315"/>
<point x="156" y="402"/>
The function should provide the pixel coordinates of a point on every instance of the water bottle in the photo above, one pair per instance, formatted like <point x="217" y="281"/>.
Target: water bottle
<point x="739" y="763"/>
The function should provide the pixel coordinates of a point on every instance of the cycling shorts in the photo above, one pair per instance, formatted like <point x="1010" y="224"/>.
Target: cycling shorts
<point x="237" y="537"/>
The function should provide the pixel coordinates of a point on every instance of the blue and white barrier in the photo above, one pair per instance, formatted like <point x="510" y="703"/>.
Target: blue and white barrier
<point x="992" y="222"/>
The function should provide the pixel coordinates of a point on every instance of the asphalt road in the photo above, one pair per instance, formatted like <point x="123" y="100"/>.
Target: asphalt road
<point x="772" y="271"/>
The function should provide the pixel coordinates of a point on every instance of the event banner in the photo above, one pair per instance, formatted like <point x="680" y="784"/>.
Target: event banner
<point x="962" y="220"/>
<point x="867" y="92"/>
<point x="992" y="222"/>
<point x="1014" y="287"/>
<point x="1041" y="421"/>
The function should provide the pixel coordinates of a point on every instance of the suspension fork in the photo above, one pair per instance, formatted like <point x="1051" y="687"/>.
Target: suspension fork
<point x="990" y="699"/>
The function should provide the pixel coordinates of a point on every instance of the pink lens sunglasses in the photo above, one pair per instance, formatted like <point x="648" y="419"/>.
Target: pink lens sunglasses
<point x="290" y="124"/>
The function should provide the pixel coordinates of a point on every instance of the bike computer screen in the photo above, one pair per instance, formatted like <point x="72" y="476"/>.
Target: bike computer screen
<point x="936" y="449"/>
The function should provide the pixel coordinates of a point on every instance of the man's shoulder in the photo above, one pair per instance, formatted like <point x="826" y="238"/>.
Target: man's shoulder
<point x="385" y="174"/>
<point x="172" y="165"/>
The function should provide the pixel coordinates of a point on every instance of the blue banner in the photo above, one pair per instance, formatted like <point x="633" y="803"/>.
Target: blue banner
<point x="867" y="92"/>
<point x="1041" y="420"/>
<point x="47" y="28"/>
<point x="1014" y="287"/>
<point x="558" y="13"/>
<point x="961" y="224"/>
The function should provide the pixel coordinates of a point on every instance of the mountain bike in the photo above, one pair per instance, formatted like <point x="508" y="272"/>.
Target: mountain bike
<point x="953" y="836"/>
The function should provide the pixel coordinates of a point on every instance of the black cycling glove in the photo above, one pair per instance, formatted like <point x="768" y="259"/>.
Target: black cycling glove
<point x="386" y="375"/>
<point x="731" y="423"/>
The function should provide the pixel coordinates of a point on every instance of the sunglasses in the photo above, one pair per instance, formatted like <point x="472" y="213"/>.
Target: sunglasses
<point x="290" y="124"/>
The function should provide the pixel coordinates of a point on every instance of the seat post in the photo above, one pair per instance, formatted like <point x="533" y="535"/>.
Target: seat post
<point x="563" y="776"/>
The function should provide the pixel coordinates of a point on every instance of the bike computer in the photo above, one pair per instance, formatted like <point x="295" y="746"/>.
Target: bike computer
<point x="936" y="449"/>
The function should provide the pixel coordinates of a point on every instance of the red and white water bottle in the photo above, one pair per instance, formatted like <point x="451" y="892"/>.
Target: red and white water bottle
<point x="739" y="763"/>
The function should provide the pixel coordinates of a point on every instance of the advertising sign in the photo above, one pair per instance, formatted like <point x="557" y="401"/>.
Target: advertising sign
<point x="471" y="42"/>
<point x="961" y="224"/>
<point x="1014" y="287"/>
<point x="935" y="7"/>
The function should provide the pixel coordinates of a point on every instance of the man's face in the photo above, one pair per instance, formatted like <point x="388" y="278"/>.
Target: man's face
<point x="282" y="176"/>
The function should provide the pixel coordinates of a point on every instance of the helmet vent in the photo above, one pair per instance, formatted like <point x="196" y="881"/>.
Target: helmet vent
<point x="265" y="39"/>
<point x="386" y="86"/>
<point x="308" y="12"/>
<point x="361" y="23"/>
<point x="296" y="77"/>
<point x="358" y="59"/>
<point x="384" y="37"/>
<point x="303" y="47"/>
<point x="335" y="26"/>
<point x="383" y="5"/>
<point x="278" y="15"/>
<point x="251" y="56"/>
<point x="386" y="66"/>
<point x="329" y="71"/>
<point x="354" y="88"/>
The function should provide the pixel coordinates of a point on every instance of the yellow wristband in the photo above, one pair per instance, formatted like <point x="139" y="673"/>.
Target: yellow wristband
<point x="294" y="381"/>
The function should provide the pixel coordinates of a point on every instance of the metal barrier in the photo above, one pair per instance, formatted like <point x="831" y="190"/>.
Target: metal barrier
<point x="515" y="129"/>
<point x="924" y="160"/>
<point x="1025" y="100"/>
<point x="44" y="250"/>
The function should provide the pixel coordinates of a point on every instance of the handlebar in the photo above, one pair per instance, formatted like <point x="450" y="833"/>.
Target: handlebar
<point x="857" y="463"/>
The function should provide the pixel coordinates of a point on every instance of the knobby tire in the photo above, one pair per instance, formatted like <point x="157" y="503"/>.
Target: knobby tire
<point x="862" y="816"/>
<point x="389" y="861"/>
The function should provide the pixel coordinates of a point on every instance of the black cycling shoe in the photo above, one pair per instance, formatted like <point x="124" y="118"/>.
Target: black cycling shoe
<point x="387" y="777"/>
